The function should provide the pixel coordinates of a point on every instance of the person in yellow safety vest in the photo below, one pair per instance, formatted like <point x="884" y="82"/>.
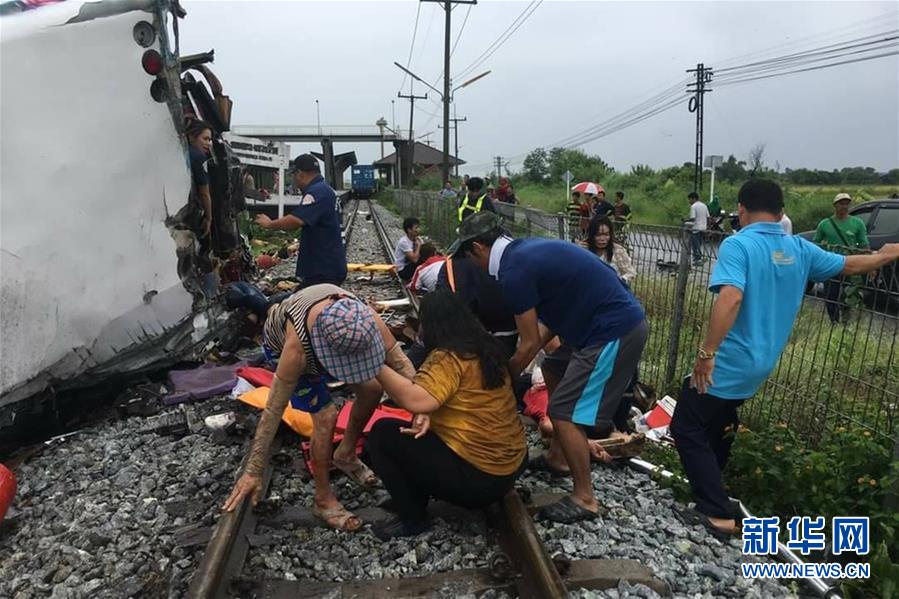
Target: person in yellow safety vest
<point x="474" y="200"/>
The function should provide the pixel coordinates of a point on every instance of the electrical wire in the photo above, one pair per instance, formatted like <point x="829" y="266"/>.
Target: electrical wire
<point x="817" y="68"/>
<point x="412" y="45"/>
<point x="459" y="35"/>
<point x="876" y="22"/>
<point x="661" y="97"/>
<point x="501" y="39"/>
<point x="886" y="37"/>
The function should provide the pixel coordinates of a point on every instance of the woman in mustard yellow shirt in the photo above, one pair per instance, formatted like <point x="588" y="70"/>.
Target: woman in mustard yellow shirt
<point x="466" y="444"/>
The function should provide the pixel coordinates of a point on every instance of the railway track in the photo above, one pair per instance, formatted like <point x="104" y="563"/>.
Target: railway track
<point x="519" y="565"/>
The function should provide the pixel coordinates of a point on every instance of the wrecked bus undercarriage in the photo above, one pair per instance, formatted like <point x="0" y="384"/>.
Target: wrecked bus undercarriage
<point x="100" y="265"/>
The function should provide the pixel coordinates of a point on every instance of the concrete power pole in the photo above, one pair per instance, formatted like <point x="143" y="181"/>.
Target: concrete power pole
<point x="698" y="89"/>
<point x="455" y="121"/>
<point x="410" y="153"/>
<point x="447" y="8"/>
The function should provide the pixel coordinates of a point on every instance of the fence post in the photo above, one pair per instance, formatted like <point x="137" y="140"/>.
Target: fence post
<point x="680" y="293"/>
<point x="562" y="221"/>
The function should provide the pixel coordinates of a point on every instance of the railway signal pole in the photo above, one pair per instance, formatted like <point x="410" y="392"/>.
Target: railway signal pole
<point x="698" y="89"/>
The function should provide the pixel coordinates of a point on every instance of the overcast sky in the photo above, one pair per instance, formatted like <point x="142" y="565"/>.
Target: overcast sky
<point x="571" y="65"/>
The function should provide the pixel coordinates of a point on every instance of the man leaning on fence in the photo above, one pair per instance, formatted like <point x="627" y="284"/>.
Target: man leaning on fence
<point x="760" y="277"/>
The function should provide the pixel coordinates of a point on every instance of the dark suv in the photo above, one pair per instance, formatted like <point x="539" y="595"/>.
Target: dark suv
<point x="881" y="217"/>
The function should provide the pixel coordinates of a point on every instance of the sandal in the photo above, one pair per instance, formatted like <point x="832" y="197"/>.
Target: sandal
<point x="566" y="511"/>
<point x="541" y="464"/>
<point x="692" y="517"/>
<point x="394" y="527"/>
<point x="359" y="472"/>
<point x="338" y="518"/>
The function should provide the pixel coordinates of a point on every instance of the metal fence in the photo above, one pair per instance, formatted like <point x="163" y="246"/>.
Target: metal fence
<point x="830" y="374"/>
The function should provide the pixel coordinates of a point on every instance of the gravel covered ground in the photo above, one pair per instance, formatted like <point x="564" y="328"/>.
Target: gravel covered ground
<point x="102" y="514"/>
<point x="118" y="512"/>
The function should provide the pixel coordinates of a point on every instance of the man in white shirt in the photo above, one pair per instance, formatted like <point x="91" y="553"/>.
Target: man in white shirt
<point x="786" y="223"/>
<point x="699" y="215"/>
<point x="406" y="254"/>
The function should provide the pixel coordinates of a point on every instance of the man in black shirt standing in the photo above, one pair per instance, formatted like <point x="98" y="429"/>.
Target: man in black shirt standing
<point x="602" y="206"/>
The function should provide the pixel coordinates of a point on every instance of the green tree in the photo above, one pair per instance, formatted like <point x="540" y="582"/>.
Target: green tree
<point x="891" y="177"/>
<point x="536" y="166"/>
<point x="583" y="167"/>
<point x="732" y="170"/>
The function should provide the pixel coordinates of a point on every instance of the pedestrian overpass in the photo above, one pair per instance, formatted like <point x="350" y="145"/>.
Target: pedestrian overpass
<point x="327" y="136"/>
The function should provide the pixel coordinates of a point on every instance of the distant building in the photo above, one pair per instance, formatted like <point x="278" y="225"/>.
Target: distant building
<point x="425" y="161"/>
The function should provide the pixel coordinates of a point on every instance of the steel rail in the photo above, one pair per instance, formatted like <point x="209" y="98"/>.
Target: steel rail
<point x="518" y="536"/>
<point x="227" y="549"/>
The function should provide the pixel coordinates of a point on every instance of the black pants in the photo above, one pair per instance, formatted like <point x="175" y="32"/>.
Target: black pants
<point x="408" y="271"/>
<point x="698" y="428"/>
<point x="696" y="245"/>
<point x="415" y="470"/>
<point x="832" y="291"/>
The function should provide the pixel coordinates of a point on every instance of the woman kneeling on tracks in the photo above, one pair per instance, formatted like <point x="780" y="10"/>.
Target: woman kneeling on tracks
<point x="466" y="444"/>
<point x="322" y="333"/>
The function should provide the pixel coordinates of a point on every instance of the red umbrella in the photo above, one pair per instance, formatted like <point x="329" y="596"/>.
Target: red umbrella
<point x="588" y="187"/>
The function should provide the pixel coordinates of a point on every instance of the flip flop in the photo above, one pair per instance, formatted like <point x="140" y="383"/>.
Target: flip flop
<point x="566" y="511"/>
<point x="338" y="518"/>
<point x="359" y="472"/>
<point x="541" y="464"/>
<point x="692" y="517"/>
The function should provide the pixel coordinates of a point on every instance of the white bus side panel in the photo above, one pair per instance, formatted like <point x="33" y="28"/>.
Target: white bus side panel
<point x="91" y="166"/>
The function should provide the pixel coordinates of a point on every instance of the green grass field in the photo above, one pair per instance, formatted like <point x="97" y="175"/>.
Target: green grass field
<point x="667" y="204"/>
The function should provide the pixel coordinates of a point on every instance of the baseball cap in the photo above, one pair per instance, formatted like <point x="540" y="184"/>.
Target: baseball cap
<point x="473" y="226"/>
<point x="347" y="342"/>
<point x="842" y="196"/>
<point x="304" y="162"/>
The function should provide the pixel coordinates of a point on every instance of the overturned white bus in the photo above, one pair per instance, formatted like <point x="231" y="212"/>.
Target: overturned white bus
<point x="101" y="271"/>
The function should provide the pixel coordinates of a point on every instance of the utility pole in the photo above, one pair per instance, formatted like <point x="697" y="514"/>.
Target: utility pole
<point x="447" y="8"/>
<point x="411" y="144"/>
<point x="455" y="121"/>
<point x="498" y="161"/>
<point x="698" y="89"/>
<point x="412" y="98"/>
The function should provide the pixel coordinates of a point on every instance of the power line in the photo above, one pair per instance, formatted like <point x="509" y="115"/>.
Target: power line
<point x="412" y="45"/>
<point x="461" y="29"/>
<point x="661" y="97"/>
<point x="827" y="35"/>
<point x="819" y="67"/>
<point x="889" y="36"/>
<point x="502" y="38"/>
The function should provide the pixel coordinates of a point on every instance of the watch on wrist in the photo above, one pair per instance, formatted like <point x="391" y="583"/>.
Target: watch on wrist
<point x="705" y="355"/>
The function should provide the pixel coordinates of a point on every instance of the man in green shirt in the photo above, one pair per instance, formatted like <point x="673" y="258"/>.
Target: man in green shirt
<point x="844" y="234"/>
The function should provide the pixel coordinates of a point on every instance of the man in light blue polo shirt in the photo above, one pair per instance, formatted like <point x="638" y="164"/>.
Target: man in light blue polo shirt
<point x="760" y="278"/>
